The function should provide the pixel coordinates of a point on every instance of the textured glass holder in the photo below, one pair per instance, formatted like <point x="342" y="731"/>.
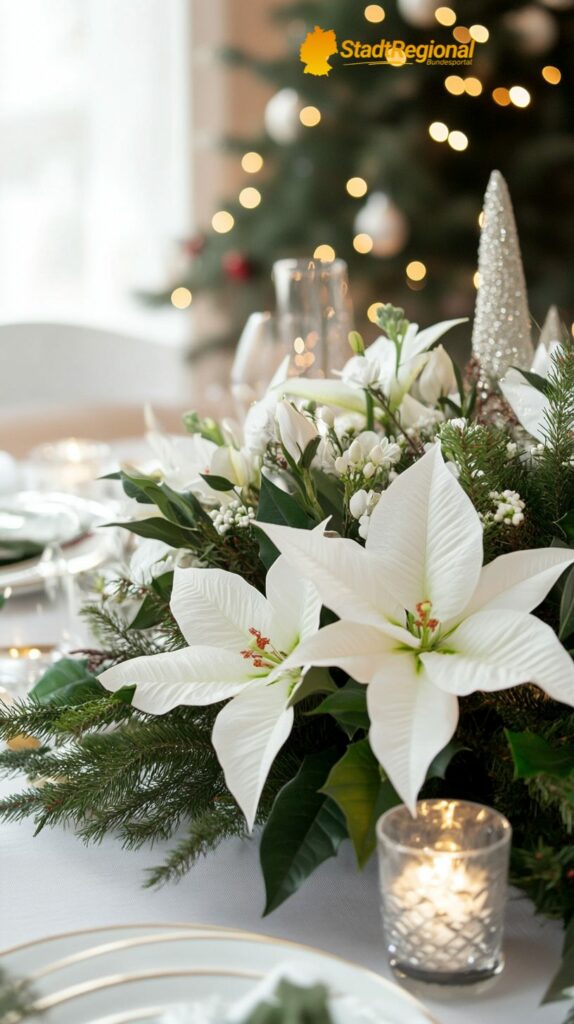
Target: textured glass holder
<point x="314" y="314"/>
<point x="443" y="883"/>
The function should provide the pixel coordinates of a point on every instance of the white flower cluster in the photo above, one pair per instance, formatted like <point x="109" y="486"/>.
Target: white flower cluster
<point x="361" y="506"/>
<point x="508" y="508"/>
<point x="232" y="516"/>
<point x="366" y="455"/>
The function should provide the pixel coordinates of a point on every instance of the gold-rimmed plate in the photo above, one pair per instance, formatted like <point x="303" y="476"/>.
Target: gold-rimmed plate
<point x="112" y="976"/>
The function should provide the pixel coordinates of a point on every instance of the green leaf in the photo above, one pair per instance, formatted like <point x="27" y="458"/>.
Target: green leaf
<point x="157" y="528"/>
<point x="276" y="506"/>
<point x="67" y="682"/>
<point x="304" y="829"/>
<point x="533" y="755"/>
<point x="357" y="786"/>
<point x="348" y="706"/>
<point x="316" y="680"/>
<point x="310" y="452"/>
<point x="538" y="382"/>
<point x="217" y="483"/>
<point x="293" y="1004"/>
<point x="567" y="608"/>
<point x="151" y="611"/>
<point x="438" y="766"/>
<point x="562" y="983"/>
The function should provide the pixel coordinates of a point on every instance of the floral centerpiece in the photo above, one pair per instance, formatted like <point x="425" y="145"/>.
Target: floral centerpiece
<point x="331" y="611"/>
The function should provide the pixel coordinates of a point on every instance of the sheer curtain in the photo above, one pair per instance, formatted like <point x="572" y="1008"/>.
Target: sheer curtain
<point x="96" y="162"/>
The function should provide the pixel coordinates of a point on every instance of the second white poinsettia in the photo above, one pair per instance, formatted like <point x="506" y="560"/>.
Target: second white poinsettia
<point x="422" y="621"/>
<point x="238" y="642"/>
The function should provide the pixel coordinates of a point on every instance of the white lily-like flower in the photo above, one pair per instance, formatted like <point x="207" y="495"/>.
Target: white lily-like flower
<point x="238" y="643"/>
<point x="437" y="379"/>
<point x="240" y="466"/>
<point x="529" y="404"/>
<point x="259" y="426"/>
<point x="295" y="429"/>
<point x="422" y="622"/>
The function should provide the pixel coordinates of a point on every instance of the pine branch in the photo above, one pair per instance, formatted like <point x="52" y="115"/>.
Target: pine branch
<point x="218" y="822"/>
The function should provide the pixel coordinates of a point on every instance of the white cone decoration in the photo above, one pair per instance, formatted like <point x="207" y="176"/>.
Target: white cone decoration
<point x="501" y="332"/>
<point x="552" y="330"/>
<point x="282" y="116"/>
<point x="384" y="223"/>
<point x="418" y="12"/>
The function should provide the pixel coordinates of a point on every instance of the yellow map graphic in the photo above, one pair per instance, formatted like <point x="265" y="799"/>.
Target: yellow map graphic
<point x="315" y="51"/>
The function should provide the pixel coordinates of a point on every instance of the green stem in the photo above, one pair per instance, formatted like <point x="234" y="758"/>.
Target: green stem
<point x="370" y="408"/>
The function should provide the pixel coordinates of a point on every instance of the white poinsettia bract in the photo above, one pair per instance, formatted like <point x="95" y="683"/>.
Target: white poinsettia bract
<point x="238" y="642"/>
<point x="422" y="622"/>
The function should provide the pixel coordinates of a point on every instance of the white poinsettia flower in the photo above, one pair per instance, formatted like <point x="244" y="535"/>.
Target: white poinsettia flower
<point x="422" y="621"/>
<point x="528" y="403"/>
<point x="238" y="643"/>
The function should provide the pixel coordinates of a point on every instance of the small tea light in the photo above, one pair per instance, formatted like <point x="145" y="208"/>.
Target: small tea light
<point x="443" y="883"/>
<point x="72" y="464"/>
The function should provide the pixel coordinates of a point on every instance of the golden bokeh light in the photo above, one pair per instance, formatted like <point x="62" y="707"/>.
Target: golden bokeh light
<point x="396" y="57"/>
<point x="310" y="116"/>
<point x="481" y="219"/>
<point x="551" y="74"/>
<point x="373" y="310"/>
<point x="416" y="271"/>
<point x="181" y="298"/>
<point x="250" y="197"/>
<point x="356" y="187"/>
<point x="479" y="33"/>
<point x="252" y="162"/>
<point x="476" y="279"/>
<point x="461" y="34"/>
<point x="325" y="253"/>
<point x="438" y="131"/>
<point x="473" y="86"/>
<point x="501" y="96"/>
<point x="299" y="346"/>
<point x="519" y="96"/>
<point x="222" y="221"/>
<point x="454" y="84"/>
<point x="362" y="242"/>
<point x="445" y="16"/>
<point x="458" y="140"/>
<point x="374" y="13"/>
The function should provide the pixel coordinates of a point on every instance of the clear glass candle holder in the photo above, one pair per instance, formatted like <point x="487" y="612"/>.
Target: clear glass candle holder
<point x="314" y="314"/>
<point x="443" y="880"/>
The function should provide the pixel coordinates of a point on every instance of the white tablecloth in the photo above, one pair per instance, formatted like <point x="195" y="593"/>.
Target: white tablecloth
<point x="53" y="883"/>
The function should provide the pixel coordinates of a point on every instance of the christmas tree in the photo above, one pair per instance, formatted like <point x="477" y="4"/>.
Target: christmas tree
<point x="386" y="164"/>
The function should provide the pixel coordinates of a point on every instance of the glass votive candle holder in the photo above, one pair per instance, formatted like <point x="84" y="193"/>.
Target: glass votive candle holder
<point x="443" y="880"/>
<point x="72" y="465"/>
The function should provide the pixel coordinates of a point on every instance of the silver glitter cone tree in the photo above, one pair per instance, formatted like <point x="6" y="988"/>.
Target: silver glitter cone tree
<point x="501" y="331"/>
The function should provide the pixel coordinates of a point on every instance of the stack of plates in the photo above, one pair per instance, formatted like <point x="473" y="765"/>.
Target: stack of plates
<point x="33" y="522"/>
<point x="144" y="973"/>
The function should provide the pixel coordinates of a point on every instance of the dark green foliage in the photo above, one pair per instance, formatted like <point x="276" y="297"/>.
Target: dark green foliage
<point x="293" y="1004"/>
<point x="17" y="999"/>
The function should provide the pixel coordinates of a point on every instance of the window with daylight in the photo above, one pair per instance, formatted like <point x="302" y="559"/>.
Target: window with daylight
<point x="95" y="174"/>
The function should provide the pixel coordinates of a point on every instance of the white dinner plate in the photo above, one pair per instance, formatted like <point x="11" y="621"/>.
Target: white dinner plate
<point x="136" y="974"/>
<point x="67" y="520"/>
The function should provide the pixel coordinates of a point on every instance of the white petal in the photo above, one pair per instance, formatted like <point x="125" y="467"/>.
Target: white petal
<point x="325" y="392"/>
<point x="356" y="648"/>
<point x="426" y="533"/>
<point x="519" y="580"/>
<point x="411" y="721"/>
<point x="194" y="675"/>
<point x="529" y="404"/>
<point x="247" y="735"/>
<point x="421" y="341"/>
<point x="497" y="649"/>
<point x="216" y="608"/>
<point x="295" y="603"/>
<point x="348" y="580"/>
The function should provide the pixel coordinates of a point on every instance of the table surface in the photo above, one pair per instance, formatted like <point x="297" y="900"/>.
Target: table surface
<point x="54" y="883"/>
